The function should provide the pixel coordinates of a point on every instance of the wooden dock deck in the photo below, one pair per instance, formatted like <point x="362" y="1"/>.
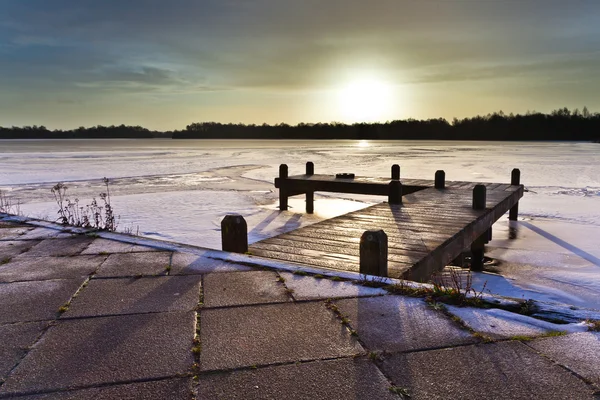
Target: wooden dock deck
<point x="433" y="224"/>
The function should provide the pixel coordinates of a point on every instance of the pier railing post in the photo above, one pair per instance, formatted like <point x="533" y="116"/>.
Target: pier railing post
<point x="374" y="253"/>
<point x="477" y="252"/>
<point x="515" y="179"/>
<point x="395" y="172"/>
<point x="283" y="197"/>
<point x="234" y="234"/>
<point x="479" y="197"/>
<point x="310" y="196"/>
<point x="440" y="179"/>
<point x="395" y="192"/>
<point x="310" y="168"/>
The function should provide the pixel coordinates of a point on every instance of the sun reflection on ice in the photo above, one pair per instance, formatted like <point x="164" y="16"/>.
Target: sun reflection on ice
<point x="363" y="143"/>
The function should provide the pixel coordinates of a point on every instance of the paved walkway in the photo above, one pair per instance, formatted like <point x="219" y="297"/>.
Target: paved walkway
<point x="86" y="317"/>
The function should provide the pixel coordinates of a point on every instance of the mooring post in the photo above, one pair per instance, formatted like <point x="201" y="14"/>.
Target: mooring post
<point x="478" y="245"/>
<point x="479" y="197"/>
<point x="310" y="168"/>
<point x="477" y="252"/>
<point x="515" y="179"/>
<point x="440" y="179"/>
<point x="234" y="234"/>
<point x="310" y="196"/>
<point x="374" y="253"/>
<point x="283" y="197"/>
<point x="395" y="172"/>
<point x="395" y="192"/>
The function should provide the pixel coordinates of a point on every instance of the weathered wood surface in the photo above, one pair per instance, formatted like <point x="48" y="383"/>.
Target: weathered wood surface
<point x="425" y="233"/>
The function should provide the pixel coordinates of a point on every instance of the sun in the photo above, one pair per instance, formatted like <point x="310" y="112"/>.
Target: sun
<point x="365" y="100"/>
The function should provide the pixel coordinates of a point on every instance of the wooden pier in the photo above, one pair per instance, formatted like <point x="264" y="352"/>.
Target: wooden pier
<point x="426" y="224"/>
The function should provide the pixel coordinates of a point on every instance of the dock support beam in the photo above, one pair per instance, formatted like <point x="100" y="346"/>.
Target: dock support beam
<point x="395" y="192"/>
<point x="234" y="234"/>
<point x="310" y="196"/>
<point x="374" y="253"/>
<point x="515" y="179"/>
<point x="440" y="179"/>
<point x="478" y="246"/>
<point x="395" y="172"/>
<point x="283" y="196"/>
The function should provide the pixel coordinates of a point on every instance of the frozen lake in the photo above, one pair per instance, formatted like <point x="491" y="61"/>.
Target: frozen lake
<point x="180" y="189"/>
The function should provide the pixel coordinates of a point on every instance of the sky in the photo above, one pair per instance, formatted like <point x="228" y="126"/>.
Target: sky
<point x="165" y="64"/>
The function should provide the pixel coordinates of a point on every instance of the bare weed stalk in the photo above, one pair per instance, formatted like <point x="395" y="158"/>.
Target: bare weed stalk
<point x="99" y="216"/>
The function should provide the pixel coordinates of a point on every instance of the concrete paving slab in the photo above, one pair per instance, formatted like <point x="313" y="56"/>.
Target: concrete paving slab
<point x="347" y="378"/>
<point x="237" y="288"/>
<point x="172" y="389"/>
<point x="16" y="339"/>
<point x="258" y="335"/>
<point x="60" y="247"/>
<point x="135" y="264"/>
<point x="136" y="295"/>
<point x="190" y="264"/>
<point x="308" y="287"/>
<point x="104" y="246"/>
<point x="508" y="370"/>
<point x="35" y="300"/>
<point x="396" y="323"/>
<point x="45" y="233"/>
<point x="13" y="233"/>
<point x="94" y="351"/>
<point x="579" y="352"/>
<point x="10" y="249"/>
<point x="502" y="324"/>
<point x="22" y="268"/>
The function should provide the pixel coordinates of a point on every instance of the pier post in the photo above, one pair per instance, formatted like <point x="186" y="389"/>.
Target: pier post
<point x="283" y="197"/>
<point x="395" y="172"/>
<point x="395" y="192"/>
<point x="374" y="253"/>
<point x="310" y="196"/>
<point x="477" y="252"/>
<point x="479" y="197"/>
<point x="515" y="179"/>
<point x="234" y="234"/>
<point x="440" y="179"/>
<point x="310" y="168"/>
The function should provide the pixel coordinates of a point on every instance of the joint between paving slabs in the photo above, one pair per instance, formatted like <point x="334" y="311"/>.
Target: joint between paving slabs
<point x="197" y="340"/>
<point x="373" y="355"/>
<point x="585" y="380"/>
<point x="288" y="291"/>
<point x="93" y="386"/>
<point x="51" y="323"/>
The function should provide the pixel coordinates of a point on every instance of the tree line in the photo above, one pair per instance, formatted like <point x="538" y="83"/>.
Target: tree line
<point x="561" y="124"/>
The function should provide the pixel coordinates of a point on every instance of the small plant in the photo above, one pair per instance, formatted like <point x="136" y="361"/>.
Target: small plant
<point x="594" y="324"/>
<point x="455" y="286"/>
<point x="299" y="272"/>
<point x="4" y="260"/>
<point x="7" y="206"/>
<point x="402" y="392"/>
<point x="95" y="215"/>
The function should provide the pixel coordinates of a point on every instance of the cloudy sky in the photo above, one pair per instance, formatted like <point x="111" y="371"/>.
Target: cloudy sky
<point x="164" y="64"/>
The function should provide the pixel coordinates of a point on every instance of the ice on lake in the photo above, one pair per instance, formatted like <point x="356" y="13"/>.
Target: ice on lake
<point x="179" y="190"/>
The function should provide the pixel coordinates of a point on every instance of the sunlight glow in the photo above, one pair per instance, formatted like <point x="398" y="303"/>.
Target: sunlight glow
<point x="366" y="100"/>
<point x="363" y="143"/>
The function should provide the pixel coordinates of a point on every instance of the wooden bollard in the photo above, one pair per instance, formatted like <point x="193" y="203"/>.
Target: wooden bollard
<point x="440" y="179"/>
<point x="310" y="168"/>
<point x="515" y="179"/>
<point x="283" y="197"/>
<point x="479" y="197"/>
<point x="234" y="234"/>
<point x="395" y="172"/>
<point x="395" y="192"/>
<point x="374" y="253"/>
<point x="310" y="196"/>
<point x="477" y="252"/>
